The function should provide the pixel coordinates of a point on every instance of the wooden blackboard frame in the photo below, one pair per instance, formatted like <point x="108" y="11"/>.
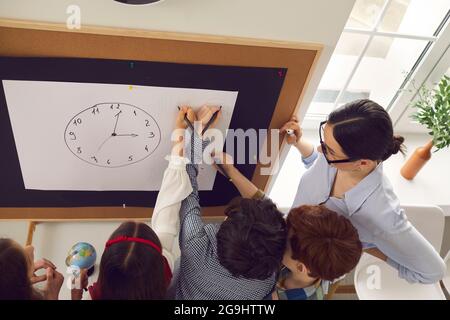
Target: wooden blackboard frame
<point x="34" y="39"/>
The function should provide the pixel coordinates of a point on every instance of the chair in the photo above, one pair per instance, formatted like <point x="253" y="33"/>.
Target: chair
<point x="429" y="221"/>
<point x="446" y="280"/>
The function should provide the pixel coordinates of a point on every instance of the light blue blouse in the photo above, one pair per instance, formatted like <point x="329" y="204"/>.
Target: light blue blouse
<point x="374" y="210"/>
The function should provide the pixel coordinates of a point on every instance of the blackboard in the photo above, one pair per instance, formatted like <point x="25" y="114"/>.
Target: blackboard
<point x="269" y="90"/>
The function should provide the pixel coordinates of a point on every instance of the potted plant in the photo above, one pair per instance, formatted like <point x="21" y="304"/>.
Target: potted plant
<point x="433" y="111"/>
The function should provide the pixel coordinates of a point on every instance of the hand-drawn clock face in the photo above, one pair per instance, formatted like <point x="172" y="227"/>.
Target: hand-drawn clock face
<point x="112" y="135"/>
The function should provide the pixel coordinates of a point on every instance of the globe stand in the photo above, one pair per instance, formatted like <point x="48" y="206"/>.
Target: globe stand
<point x="91" y="271"/>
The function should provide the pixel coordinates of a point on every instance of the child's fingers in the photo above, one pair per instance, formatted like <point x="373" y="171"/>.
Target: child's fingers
<point x="43" y="263"/>
<point x="207" y="112"/>
<point x="191" y="115"/>
<point x="58" y="275"/>
<point x="214" y="109"/>
<point x="35" y="279"/>
<point x="49" y="263"/>
<point x="49" y="272"/>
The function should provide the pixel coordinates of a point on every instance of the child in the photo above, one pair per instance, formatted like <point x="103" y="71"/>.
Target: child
<point x="174" y="188"/>
<point x="236" y="259"/>
<point x="17" y="274"/>
<point x="322" y="246"/>
<point x="132" y="266"/>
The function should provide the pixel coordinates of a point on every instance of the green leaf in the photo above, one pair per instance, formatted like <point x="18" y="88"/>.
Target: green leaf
<point x="433" y="112"/>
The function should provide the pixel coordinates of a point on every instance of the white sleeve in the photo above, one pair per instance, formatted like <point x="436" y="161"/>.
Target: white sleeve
<point x="175" y="187"/>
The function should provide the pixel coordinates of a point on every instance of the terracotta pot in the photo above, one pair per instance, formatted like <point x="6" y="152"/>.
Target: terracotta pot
<point x="417" y="160"/>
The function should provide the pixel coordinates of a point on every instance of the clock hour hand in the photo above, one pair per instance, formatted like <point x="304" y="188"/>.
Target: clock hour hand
<point x="117" y="120"/>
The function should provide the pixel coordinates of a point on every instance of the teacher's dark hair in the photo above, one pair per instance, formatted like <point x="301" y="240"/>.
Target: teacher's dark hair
<point x="364" y="130"/>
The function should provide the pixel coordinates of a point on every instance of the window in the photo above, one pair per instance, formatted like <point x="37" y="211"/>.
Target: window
<point x="381" y="46"/>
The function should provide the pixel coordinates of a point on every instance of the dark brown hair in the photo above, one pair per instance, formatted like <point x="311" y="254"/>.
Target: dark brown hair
<point x="252" y="240"/>
<point x="132" y="270"/>
<point x="14" y="278"/>
<point x="326" y="243"/>
<point x="364" y="130"/>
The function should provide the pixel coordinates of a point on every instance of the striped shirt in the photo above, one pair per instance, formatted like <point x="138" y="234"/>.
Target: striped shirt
<point x="201" y="275"/>
<point x="316" y="291"/>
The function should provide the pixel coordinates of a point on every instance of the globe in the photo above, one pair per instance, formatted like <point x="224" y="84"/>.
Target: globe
<point x="82" y="255"/>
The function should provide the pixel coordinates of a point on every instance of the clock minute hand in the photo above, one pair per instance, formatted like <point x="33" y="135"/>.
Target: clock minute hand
<point x="126" y="135"/>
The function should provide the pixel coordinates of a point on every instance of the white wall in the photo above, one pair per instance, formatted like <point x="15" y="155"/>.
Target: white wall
<point x="318" y="21"/>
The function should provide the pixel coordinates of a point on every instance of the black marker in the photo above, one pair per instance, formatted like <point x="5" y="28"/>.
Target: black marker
<point x="222" y="170"/>
<point x="189" y="123"/>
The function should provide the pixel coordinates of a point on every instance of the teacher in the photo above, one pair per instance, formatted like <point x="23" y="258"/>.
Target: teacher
<point x="346" y="175"/>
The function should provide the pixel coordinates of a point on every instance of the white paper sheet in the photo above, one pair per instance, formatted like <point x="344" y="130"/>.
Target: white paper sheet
<point x="64" y="133"/>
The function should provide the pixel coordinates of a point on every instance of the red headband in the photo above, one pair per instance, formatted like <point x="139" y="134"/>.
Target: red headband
<point x="167" y="271"/>
<point x="131" y="239"/>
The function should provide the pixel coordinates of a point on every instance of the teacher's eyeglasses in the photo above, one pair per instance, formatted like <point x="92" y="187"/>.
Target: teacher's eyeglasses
<point x="325" y="148"/>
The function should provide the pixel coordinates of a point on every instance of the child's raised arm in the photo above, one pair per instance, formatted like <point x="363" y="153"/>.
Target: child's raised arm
<point x="175" y="187"/>
<point x="246" y="188"/>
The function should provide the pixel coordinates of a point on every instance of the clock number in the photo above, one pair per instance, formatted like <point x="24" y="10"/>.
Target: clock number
<point x="77" y="121"/>
<point x="108" y="161"/>
<point x="146" y="148"/>
<point x="147" y="123"/>
<point x="135" y="112"/>
<point x="95" y="111"/>
<point x="151" y="135"/>
<point x="79" y="150"/>
<point x="72" y="136"/>
<point x="95" y="159"/>
<point x="112" y="106"/>
<point x="130" y="158"/>
<point x="118" y="106"/>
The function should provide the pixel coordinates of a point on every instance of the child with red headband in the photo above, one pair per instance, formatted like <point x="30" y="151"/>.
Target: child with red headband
<point x="132" y="266"/>
<point x="138" y="261"/>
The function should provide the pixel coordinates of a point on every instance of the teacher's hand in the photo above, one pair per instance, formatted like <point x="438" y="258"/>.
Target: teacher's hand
<point x="293" y="127"/>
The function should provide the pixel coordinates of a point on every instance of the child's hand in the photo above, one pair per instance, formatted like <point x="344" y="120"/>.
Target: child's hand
<point x="54" y="283"/>
<point x="226" y="162"/>
<point x="180" y="126"/>
<point x="36" y="265"/>
<point x="77" y="293"/>
<point x="41" y="264"/>
<point x="293" y="127"/>
<point x="180" y="123"/>
<point x="206" y="113"/>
